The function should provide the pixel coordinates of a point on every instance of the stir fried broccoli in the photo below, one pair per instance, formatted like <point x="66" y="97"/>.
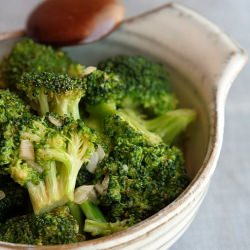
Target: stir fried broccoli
<point x="28" y="56"/>
<point x="45" y="158"/>
<point x="53" y="92"/>
<point x="55" y="227"/>
<point x="85" y="151"/>
<point x="142" y="177"/>
<point x="146" y="83"/>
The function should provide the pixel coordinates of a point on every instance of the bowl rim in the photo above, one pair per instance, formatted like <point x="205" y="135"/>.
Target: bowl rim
<point x="238" y="58"/>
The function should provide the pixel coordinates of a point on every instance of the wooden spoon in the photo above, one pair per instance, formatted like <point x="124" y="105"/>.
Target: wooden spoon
<point x="67" y="22"/>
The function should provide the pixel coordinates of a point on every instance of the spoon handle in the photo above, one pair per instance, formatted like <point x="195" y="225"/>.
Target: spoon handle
<point x="11" y="34"/>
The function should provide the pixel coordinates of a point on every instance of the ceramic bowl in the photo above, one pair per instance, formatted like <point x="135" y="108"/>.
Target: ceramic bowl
<point x="203" y="62"/>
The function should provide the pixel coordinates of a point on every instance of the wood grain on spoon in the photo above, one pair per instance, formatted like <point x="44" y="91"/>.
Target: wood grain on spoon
<point x="65" y="22"/>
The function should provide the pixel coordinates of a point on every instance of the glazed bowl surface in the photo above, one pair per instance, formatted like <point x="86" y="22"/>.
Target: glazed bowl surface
<point x="202" y="62"/>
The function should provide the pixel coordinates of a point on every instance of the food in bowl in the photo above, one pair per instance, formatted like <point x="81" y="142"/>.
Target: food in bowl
<point x="85" y="151"/>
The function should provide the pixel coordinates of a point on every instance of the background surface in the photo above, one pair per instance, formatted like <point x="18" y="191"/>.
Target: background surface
<point x="223" y="221"/>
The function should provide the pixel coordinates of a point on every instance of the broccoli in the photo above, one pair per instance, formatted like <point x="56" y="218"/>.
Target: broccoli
<point x="46" y="158"/>
<point x="14" y="199"/>
<point x="55" y="227"/>
<point x="106" y="104"/>
<point x="120" y="156"/>
<point x="146" y="83"/>
<point x="53" y="92"/>
<point x="102" y="88"/>
<point x="143" y="178"/>
<point x="28" y="56"/>
<point x="162" y="127"/>
<point x="11" y="106"/>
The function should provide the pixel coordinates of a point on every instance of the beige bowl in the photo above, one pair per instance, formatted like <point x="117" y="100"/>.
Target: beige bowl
<point x="203" y="62"/>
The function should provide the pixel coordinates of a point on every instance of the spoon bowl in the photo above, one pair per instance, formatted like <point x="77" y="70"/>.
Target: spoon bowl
<point x="66" y="22"/>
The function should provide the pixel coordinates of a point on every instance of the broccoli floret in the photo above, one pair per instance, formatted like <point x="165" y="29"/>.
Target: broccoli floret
<point x="11" y="106"/>
<point x="142" y="180"/>
<point x="103" y="88"/>
<point x="28" y="56"/>
<point x="53" y="92"/>
<point x="55" y="227"/>
<point x="117" y="127"/>
<point x="163" y="128"/>
<point x="46" y="158"/>
<point x="8" y="141"/>
<point x="146" y="83"/>
<point x="14" y="199"/>
<point x="103" y="93"/>
<point x="143" y="177"/>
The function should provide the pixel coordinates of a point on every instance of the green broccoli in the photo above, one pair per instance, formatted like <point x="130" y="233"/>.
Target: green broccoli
<point x="55" y="227"/>
<point x="146" y="83"/>
<point x="121" y="157"/>
<point x="102" y="88"/>
<point x="164" y="127"/>
<point x="143" y="178"/>
<point x="14" y="199"/>
<point x="53" y="92"/>
<point x="28" y="56"/>
<point x="46" y="158"/>
<point x="11" y="106"/>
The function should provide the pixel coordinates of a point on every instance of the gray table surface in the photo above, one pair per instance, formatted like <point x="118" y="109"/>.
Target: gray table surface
<point x="223" y="221"/>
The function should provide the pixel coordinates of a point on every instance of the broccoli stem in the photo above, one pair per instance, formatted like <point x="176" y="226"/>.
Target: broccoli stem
<point x="67" y="106"/>
<point x="73" y="108"/>
<point x="168" y="126"/>
<point x="103" y="228"/>
<point x="41" y="200"/>
<point x="102" y="110"/>
<point x="75" y="210"/>
<point x="66" y="171"/>
<point x="137" y="122"/>
<point x="43" y="102"/>
<point x="51" y="181"/>
<point x="48" y="193"/>
<point x="60" y="106"/>
<point x="92" y="212"/>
